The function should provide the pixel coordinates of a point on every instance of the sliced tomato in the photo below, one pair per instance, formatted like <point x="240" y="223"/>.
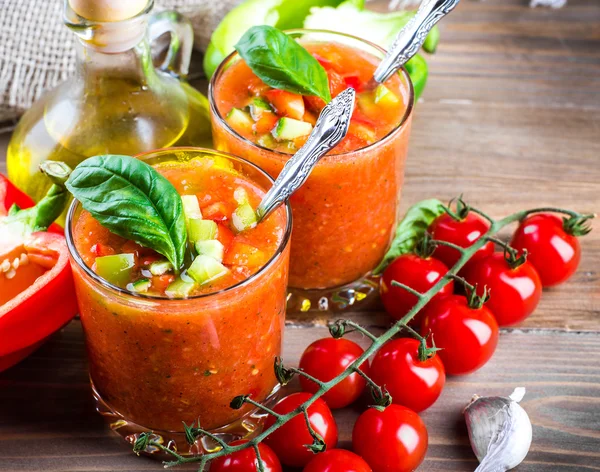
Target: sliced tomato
<point x="161" y="282"/>
<point x="286" y="103"/>
<point x="258" y="87"/>
<point x="337" y="84"/>
<point x="326" y="63"/>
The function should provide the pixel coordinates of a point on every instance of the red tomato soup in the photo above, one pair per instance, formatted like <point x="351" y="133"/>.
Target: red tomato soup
<point x="158" y="361"/>
<point x="345" y="213"/>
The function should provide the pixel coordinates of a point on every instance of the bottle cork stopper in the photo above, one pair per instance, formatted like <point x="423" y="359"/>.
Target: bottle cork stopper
<point x="107" y="10"/>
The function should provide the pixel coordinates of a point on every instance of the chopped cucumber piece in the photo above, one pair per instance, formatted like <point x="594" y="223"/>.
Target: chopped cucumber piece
<point x="240" y="120"/>
<point x="240" y="195"/>
<point x="289" y="128"/>
<point x="211" y="248"/>
<point x="179" y="288"/>
<point x="116" y="269"/>
<point x="140" y="286"/>
<point x="266" y="141"/>
<point x="258" y="106"/>
<point x="160" y="267"/>
<point x="191" y="207"/>
<point x="205" y="269"/>
<point x="243" y="217"/>
<point x="384" y="96"/>
<point x="201" y="230"/>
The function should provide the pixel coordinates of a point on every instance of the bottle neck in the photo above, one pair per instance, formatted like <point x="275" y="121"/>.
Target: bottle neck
<point x="133" y="64"/>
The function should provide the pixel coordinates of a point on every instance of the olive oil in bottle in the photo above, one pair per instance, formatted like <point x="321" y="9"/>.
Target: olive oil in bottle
<point x="117" y="103"/>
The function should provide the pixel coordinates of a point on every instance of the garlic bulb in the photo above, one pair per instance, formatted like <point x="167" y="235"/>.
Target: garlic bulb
<point x="499" y="431"/>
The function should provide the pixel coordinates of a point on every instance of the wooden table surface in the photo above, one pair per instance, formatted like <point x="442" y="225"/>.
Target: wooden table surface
<point x="510" y="118"/>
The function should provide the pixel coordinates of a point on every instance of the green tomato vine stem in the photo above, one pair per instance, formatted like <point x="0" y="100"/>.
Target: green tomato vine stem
<point x="338" y="329"/>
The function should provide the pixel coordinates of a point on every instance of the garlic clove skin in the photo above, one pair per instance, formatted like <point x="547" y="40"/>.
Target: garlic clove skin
<point x="499" y="430"/>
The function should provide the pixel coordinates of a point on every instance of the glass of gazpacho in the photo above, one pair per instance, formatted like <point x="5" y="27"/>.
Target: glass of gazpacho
<point x="164" y="349"/>
<point x="346" y="212"/>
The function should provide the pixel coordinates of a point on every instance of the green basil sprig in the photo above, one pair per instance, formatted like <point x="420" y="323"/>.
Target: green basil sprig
<point x="134" y="201"/>
<point x="411" y="229"/>
<point x="280" y="62"/>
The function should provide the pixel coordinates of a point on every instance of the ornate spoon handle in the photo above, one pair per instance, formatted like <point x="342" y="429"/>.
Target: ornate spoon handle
<point x="329" y="130"/>
<point x="412" y="36"/>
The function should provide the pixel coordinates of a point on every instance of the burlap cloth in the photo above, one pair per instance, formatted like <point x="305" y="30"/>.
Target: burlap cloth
<point x="37" y="51"/>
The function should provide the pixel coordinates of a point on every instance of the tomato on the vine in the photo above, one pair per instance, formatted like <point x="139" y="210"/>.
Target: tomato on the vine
<point x="418" y="273"/>
<point x="290" y="440"/>
<point x="392" y="440"/>
<point x="467" y="335"/>
<point x="552" y="250"/>
<point x="462" y="232"/>
<point x="514" y="291"/>
<point x="337" y="460"/>
<point x="327" y="358"/>
<point x="245" y="460"/>
<point x="412" y="374"/>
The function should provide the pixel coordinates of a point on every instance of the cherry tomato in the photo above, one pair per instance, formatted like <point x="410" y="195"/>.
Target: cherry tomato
<point x="337" y="460"/>
<point x="551" y="250"/>
<point x="468" y="336"/>
<point x="514" y="293"/>
<point x="245" y="460"/>
<point x="416" y="272"/>
<point x="392" y="440"/>
<point x="463" y="233"/>
<point x="327" y="358"/>
<point x="289" y="441"/>
<point x="410" y="381"/>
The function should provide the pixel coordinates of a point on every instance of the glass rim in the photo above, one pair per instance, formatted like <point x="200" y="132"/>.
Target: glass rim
<point x="397" y="129"/>
<point x="76" y="256"/>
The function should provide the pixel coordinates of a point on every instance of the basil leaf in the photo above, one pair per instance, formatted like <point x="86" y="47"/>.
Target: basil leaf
<point x="411" y="229"/>
<point x="280" y="62"/>
<point x="134" y="201"/>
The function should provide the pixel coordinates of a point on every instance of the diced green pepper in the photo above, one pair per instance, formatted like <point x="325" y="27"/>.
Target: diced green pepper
<point x="205" y="269"/>
<point x="191" y="207"/>
<point x="140" y="286"/>
<point x="384" y="96"/>
<point x="116" y="269"/>
<point x="201" y="230"/>
<point x="179" y="288"/>
<point x="289" y="128"/>
<point x="160" y="267"/>
<point x="244" y="217"/>
<point x="211" y="248"/>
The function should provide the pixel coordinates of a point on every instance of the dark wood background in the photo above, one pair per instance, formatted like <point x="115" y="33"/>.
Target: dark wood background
<point x="510" y="118"/>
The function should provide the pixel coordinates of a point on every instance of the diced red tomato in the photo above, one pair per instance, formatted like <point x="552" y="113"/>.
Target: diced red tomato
<point x="161" y="282"/>
<point x="353" y="81"/>
<point x="309" y="117"/>
<point x="224" y="235"/>
<point x="336" y="83"/>
<point x="218" y="211"/>
<point x="286" y="103"/>
<point x="326" y="63"/>
<point x="148" y="259"/>
<point x="100" y="250"/>
<point x="266" y="123"/>
<point x="258" y="87"/>
<point x="244" y="254"/>
<point x="132" y="248"/>
<point x="300" y="141"/>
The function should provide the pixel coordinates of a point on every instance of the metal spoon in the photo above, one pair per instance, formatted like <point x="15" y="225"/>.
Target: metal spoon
<point x="330" y="128"/>
<point x="412" y="36"/>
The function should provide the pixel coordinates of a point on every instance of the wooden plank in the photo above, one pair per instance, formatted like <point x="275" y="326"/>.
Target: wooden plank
<point x="47" y="421"/>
